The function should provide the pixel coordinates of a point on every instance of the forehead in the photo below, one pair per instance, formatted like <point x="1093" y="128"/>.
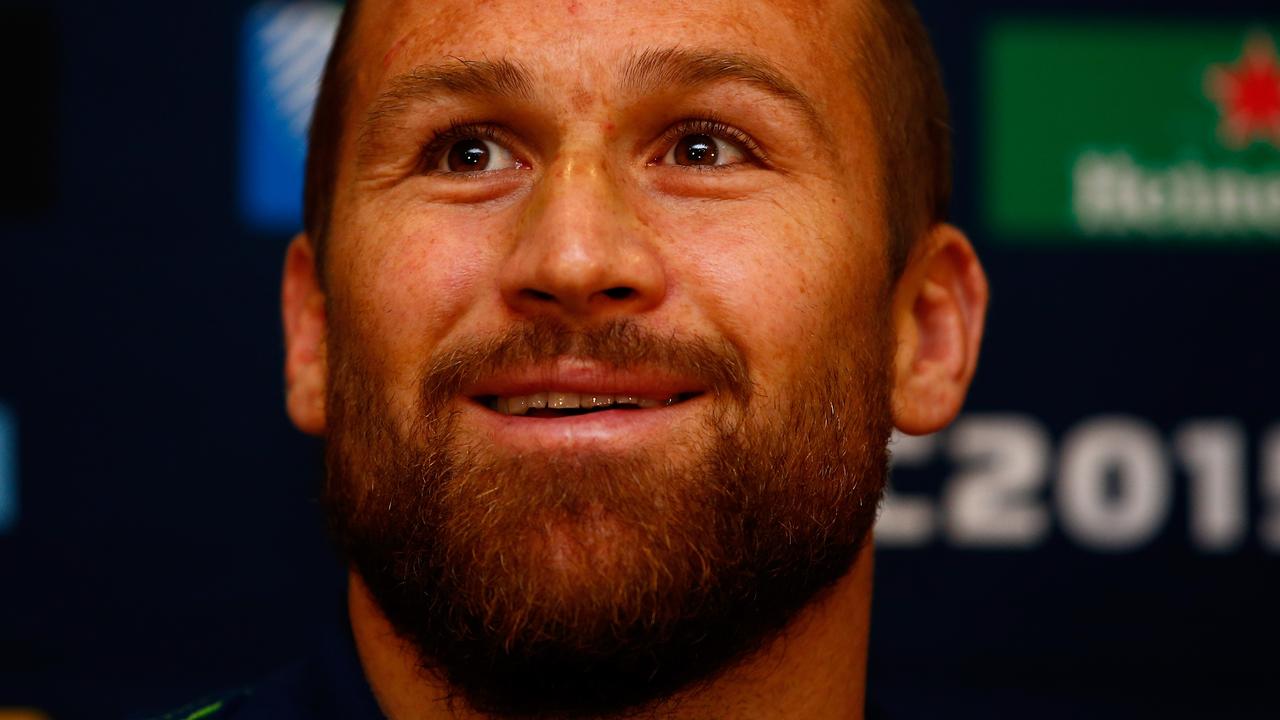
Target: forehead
<point x="581" y="43"/>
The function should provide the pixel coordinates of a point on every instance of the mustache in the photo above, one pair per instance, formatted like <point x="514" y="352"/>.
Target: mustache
<point x="621" y="344"/>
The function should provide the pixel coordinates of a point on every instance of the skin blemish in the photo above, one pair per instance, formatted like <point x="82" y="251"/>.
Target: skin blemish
<point x="581" y="100"/>
<point x="573" y="7"/>
<point x="395" y="50"/>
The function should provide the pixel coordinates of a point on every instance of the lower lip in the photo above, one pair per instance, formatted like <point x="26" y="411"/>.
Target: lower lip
<point x="603" y="429"/>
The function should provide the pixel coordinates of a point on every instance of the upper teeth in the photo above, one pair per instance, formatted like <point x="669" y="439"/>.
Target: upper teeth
<point x="522" y="404"/>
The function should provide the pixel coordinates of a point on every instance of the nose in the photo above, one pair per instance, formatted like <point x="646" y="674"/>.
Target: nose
<point x="581" y="252"/>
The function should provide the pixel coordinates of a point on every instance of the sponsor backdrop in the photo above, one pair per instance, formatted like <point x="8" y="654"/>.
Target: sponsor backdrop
<point x="1097" y="536"/>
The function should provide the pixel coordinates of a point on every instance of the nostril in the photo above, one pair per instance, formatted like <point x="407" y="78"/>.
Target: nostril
<point x="538" y="294"/>
<point x="620" y="293"/>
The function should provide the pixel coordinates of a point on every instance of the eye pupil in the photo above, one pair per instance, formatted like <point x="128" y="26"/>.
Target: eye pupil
<point x="468" y="155"/>
<point x="696" y="150"/>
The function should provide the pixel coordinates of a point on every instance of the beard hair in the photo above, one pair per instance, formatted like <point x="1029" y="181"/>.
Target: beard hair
<point x="584" y="584"/>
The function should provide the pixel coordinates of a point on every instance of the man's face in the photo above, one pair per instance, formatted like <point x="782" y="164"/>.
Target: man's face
<point x="608" y="343"/>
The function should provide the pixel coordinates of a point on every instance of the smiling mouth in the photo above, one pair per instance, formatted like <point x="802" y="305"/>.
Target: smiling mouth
<point x="553" y="404"/>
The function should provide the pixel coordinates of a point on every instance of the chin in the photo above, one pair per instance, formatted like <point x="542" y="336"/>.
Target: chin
<point x="598" y="577"/>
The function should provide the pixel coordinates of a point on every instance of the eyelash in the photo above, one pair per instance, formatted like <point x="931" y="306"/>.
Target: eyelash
<point x="443" y="139"/>
<point x="717" y="128"/>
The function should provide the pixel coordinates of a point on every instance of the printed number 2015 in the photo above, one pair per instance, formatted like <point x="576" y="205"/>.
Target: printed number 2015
<point x="1112" y="485"/>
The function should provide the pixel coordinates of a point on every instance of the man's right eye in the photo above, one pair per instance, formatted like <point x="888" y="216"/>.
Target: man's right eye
<point x="473" y="155"/>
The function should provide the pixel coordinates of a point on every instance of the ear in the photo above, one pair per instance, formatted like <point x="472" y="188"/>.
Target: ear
<point x="939" y="306"/>
<point x="305" y="330"/>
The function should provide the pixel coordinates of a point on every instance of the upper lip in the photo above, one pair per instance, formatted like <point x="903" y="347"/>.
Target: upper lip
<point x="570" y="375"/>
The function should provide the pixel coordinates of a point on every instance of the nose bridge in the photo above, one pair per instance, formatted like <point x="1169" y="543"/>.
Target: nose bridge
<point x="580" y="248"/>
<point x="578" y="194"/>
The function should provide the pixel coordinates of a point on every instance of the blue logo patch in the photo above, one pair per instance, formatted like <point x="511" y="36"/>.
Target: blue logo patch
<point x="284" y="47"/>
<point x="8" y="471"/>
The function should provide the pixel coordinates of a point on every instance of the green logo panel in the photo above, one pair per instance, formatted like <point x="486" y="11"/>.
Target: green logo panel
<point x="1131" y="132"/>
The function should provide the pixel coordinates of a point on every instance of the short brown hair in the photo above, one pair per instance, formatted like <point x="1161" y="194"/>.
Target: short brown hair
<point x="902" y="80"/>
<point x="325" y="137"/>
<point x="898" y="70"/>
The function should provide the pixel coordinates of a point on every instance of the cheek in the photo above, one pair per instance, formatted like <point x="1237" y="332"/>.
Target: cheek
<point x="413" y="280"/>
<point x="778" y="279"/>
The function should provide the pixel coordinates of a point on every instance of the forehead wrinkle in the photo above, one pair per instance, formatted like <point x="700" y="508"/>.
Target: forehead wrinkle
<point x="658" y="69"/>
<point x="455" y="77"/>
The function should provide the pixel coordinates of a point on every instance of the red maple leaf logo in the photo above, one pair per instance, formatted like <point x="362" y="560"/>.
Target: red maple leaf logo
<point x="1248" y="94"/>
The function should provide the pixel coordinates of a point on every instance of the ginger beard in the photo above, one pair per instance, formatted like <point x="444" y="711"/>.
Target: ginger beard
<point x="591" y="584"/>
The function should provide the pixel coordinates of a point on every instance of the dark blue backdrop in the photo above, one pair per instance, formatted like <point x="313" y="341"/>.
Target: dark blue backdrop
<point x="159" y="535"/>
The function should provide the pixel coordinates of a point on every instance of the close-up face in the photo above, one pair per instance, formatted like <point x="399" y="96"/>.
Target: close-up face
<point x="704" y="169"/>
<point x="604" y="336"/>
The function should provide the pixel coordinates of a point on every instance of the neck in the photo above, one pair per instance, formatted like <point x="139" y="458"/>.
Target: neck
<point x="817" y="669"/>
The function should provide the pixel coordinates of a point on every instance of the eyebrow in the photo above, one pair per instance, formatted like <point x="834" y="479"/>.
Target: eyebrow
<point x="648" y="72"/>
<point x="656" y="70"/>
<point x="457" y="76"/>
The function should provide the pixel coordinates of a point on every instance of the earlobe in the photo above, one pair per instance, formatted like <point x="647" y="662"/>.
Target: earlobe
<point x="940" y="306"/>
<point x="305" y="330"/>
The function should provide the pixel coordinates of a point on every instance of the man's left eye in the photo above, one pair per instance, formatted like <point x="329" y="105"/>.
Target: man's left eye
<point x="475" y="154"/>
<point x="703" y="149"/>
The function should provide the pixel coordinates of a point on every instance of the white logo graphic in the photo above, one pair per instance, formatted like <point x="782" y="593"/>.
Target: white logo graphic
<point x="295" y="40"/>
